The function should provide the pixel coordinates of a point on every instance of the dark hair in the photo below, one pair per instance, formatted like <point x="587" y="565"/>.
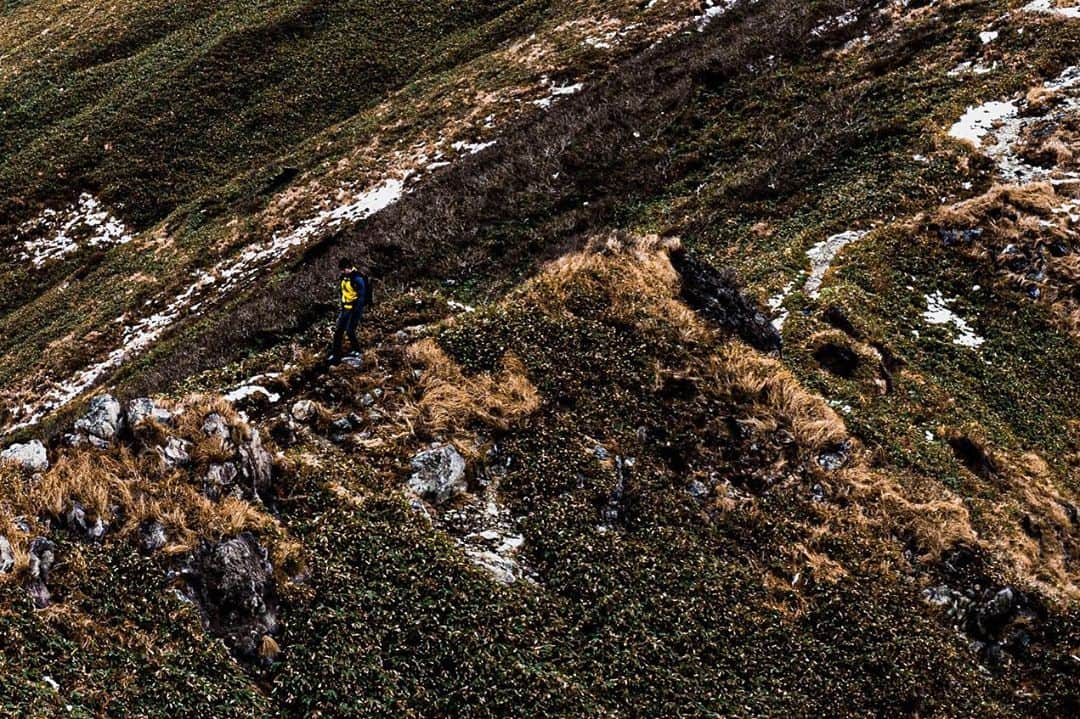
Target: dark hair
<point x="344" y="263"/>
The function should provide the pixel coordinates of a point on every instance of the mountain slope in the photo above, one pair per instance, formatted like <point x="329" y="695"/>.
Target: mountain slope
<point x="752" y="324"/>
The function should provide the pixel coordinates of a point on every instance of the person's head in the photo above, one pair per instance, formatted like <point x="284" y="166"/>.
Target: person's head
<point x="345" y="264"/>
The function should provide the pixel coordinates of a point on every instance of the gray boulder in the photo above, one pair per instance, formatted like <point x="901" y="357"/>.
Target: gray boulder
<point x="142" y="409"/>
<point x="233" y="583"/>
<point x="438" y="474"/>
<point x="102" y="421"/>
<point x="7" y="555"/>
<point x="31" y="456"/>
<point x="215" y="426"/>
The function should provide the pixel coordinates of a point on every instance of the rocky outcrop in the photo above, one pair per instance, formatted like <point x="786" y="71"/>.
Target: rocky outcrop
<point x="717" y="296"/>
<point x="31" y="456"/>
<point x="232" y="582"/>
<point x="438" y="474"/>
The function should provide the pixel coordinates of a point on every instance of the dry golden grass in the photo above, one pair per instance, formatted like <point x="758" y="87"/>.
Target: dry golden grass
<point x="774" y="398"/>
<point x="633" y="272"/>
<point x="451" y="401"/>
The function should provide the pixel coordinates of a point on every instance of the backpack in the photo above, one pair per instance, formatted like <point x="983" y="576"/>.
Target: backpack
<point x="369" y="291"/>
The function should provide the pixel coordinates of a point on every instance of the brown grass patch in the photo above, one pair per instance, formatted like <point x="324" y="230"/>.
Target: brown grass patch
<point x="451" y="401"/>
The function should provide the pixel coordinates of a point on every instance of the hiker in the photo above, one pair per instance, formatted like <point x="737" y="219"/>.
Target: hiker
<point x="355" y="291"/>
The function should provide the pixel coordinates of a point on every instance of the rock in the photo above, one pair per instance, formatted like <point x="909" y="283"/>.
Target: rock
<point x="220" y="478"/>
<point x="42" y="556"/>
<point x="697" y="489"/>
<point x="80" y="524"/>
<point x="152" y="536"/>
<point x="31" y="456"/>
<point x="102" y="421"/>
<point x="7" y="555"/>
<point x="142" y="409"/>
<point x="233" y="583"/>
<point x="176" y="452"/>
<point x="438" y="474"/>
<point x="304" y="411"/>
<point x="717" y="295"/>
<point x="256" y="465"/>
<point x="342" y="424"/>
<point x="215" y="426"/>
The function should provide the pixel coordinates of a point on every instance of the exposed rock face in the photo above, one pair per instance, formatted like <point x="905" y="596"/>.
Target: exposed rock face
<point x="717" y="296"/>
<point x="232" y="581"/>
<point x="42" y="556"/>
<point x="438" y="474"/>
<point x="31" y="456"/>
<point x="7" y="556"/>
<point x="102" y="421"/>
<point x="996" y="619"/>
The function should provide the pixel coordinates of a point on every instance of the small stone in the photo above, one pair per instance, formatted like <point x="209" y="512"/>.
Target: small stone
<point x="215" y="426"/>
<point x="697" y="489"/>
<point x="7" y="556"/>
<point x="342" y="424"/>
<point x="152" y="536"/>
<point x="31" y="456"/>
<point x="176" y="452"/>
<point x="304" y="411"/>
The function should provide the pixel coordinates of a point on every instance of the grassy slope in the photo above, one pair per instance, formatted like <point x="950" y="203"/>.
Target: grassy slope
<point x="677" y="616"/>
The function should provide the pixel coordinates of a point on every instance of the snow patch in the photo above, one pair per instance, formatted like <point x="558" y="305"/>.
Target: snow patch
<point x="822" y="255"/>
<point x="995" y="127"/>
<point x="938" y="313"/>
<point x="57" y="233"/>
<point x="1049" y="7"/>
<point x="250" y="390"/>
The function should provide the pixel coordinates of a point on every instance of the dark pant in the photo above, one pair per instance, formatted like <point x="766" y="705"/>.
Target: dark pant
<point x="346" y="325"/>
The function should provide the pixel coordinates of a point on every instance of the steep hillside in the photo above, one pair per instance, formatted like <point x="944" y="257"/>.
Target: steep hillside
<point x="724" y="360"/>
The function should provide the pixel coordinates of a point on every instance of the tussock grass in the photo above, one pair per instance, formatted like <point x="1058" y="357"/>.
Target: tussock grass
<point x="451" y="401"/>
<point x="124" y="489"/>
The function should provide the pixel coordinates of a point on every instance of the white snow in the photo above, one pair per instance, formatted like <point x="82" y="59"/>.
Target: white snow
<point x="57" y="233"/>
<point x="556" y="92"/>
<point x="776" y="304"/>
<point x="250" y="390"/>
<point x="835" y="23"/>
<point x="471" y="148"/>
<point x="1050" y="7"/>
<point x="995" y="127"/>
<point x="822" y="255"/>
<point x="938" y="313"/>
<point x="713" y="10"/>
<point x="988" y="36"/>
